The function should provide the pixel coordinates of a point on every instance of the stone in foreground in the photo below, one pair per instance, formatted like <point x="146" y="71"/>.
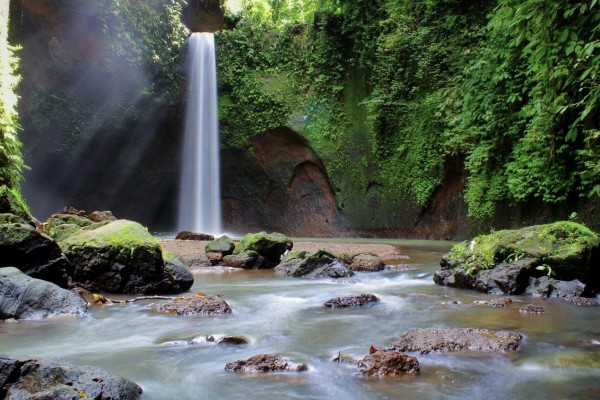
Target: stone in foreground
<point x="351" y="301"/>
<point x="29" y="378"/>
<point x="265" y="363"/>
<point x="455" y="339"/>
<point x="194" y="306"/>
<point x="388" y="363"/>
<point x="23" y="297"/>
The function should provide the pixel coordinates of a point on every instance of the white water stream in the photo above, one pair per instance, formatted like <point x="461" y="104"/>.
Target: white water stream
<point x="200" y="197"/>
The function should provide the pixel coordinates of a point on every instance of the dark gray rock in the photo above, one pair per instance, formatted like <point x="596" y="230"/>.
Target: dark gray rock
<point x="351" y="301"/>
<point x="549" y="287"/>
<point x="233" y="341"/>
<point x="318" y="265"/>
<point x="36" y="254"/>
<point x="269" y="245"/>
<point x="26" y="378"/>
<point x="23" y="297"/>
<point x="388" y="363"/>
<point x="182" y="279"/>
<point x="265" y="363"/>
<point x="455" y="339"/>
<point x="248" y="260"/>
<point x="194" y="306"/>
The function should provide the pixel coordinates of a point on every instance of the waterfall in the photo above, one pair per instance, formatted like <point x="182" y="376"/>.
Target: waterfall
<point x="200" y="194"/>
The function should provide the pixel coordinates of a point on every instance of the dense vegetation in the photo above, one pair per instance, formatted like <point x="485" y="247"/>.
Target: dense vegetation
<point x="388" y="90"/>
<point x="11" y="163"/>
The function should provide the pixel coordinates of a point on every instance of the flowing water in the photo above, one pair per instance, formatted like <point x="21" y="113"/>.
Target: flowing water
<point x="200" y="198"/>
<point x="559" y="358"/>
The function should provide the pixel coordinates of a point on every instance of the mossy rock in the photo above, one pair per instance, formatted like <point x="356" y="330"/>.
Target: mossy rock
<point x="223" y="245"/>
<point x="269" y="245"/>
<point x="61" y="226"/>
<point x="11" y="202"/>
<point x="8" y="218"/>
<point x="31" y="251"/>
<point x="320" y="264"/>
<point x="119" y="257"/>
<point x="567" y="249"/>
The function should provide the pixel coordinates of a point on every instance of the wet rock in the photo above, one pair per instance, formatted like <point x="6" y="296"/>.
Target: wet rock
<point x="499" y="302"/>
<point x="363" y="262"/>
<point x="549" y="287"/>
<point x="269" y="245"/>
<point x="248" y="260"/>
<point x="36" y="254"/>
<point x="507" y="260"/>
<point x="194" y="306"/>
<point x="223" y="245"/>
<point x="388" y="363"/>
<point x="233" y="341"/>
<point x="582" y="301"/>
<point x="351" y="301"/>
<point x="8" y="218"/>
<point x="265" y="363"/>
<point x="187" y="235"/>
<point x="30" y="378"/>
<point x="454" y="339"/>
<point x="531" y="309"/>
<point x="119" y="257"/>
<point x="399" y="268"/>
<point x="214" y="258"/>
<point x="318" y="265"/>
<point x="23" y="297"/>
<point x="182" y="278"/>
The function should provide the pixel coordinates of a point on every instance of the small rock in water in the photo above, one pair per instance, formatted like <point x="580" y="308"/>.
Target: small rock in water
<point x="499" y="302"/>
<point x="427" y="340"/>
<point x="582" y="301"/>
<point x="388" y="363"/>
<point x="194" y="306"/>
<point x="351" y="301"/>
<point x="399" y="267"/>
<point x="265" y="363"/>
<point x="233" y="340"/>
<point x="187" y="235"/>
<point x="452" y="302"/>
<point x="531" y="309"/>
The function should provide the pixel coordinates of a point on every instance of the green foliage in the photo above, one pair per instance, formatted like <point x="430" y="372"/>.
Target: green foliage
<point x="11" y="162"/>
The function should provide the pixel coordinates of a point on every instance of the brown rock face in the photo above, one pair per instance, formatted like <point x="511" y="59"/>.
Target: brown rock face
<point x="388" y="363"/>
<point x="203" y="15"/>
<point x="455" y="339"/>
<point x="282" y="187"/>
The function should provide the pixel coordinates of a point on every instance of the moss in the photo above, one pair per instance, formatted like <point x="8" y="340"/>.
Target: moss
<point x="123" y="234"/>
<point x="12" y="202"/>
<point x="561" y="244"/>
<point x="8" y="218"/>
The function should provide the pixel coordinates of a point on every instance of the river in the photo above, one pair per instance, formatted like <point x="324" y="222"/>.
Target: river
<point x="169" y="357"/>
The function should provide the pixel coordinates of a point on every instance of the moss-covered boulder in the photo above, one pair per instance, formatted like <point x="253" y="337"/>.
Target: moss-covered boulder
<point x="61" y="226"/>
<point x="36" y="254"/>
<point x="11" y="202"/>
<point x="119" y="257"/>
<point x="223" y="245"/>
<point x="507" y="261"/>
<point x="8" y="218"/>
<point x="269" y="245"/>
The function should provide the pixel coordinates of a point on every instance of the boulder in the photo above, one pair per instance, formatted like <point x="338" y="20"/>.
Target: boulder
<point x="223" y="245"/>
<point x="318" y="265"/>
<point x="8" y="218"/>
<point x="582" y="301"/>
<point x="31" y="378"/>
<point x="531" y="309"/>
<point x="194" y="306"/>
<point x="119" y="257"/>
<point x="265" y="363"/>
<point x="61" y="226"/>
<point x="269" y="245"/>
<point x="187" y="235"/>
<point x="548" y="287"/>
<point x="11" y="202"/>
<point x="454" y="339"/>
<point x="23" y="297"/>
<point x="500" y="302"/>
<point x="182" y="277"/>
<point x="101" y="216"/>
<point x="233" y="341"/>
<point x="247" y="260"/>
<point x="351" y="301"/>
<point x="388" y="363"/>
<point x="36" y="254"/>
<point x="505" y="261"/>
<point x="363" y="262"/>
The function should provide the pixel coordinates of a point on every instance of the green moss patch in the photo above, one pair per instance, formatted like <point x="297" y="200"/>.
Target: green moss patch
<point x="120" y="233"/>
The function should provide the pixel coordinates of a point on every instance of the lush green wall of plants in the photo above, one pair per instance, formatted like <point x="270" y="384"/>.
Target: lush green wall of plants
<point x="11" y="162"/>
<point x="387" y="90"/>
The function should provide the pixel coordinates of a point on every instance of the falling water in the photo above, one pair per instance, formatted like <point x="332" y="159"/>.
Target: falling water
<point x="199" y="204"/>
